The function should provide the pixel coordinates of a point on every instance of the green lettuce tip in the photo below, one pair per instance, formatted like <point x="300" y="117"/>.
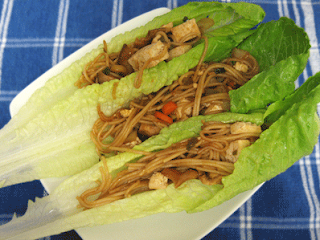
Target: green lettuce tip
<point x="282" y="51"/>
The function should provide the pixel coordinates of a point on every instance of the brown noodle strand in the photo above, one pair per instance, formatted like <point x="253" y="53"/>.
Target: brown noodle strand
<point x="201" y="58"/>
<point x="114" y="90"/>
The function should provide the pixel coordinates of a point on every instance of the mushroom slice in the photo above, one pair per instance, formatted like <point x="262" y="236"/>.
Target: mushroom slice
<point x="101" y="77"/>
<point x="149" y="130"/>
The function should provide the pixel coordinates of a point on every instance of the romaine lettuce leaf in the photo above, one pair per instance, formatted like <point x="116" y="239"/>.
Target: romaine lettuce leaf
<point x="291" y="137"/>
<point x="229" y="19"/>
<point x="278" y="108"/>
<point x="59" y="209"/>
<point x="282" y="57"/>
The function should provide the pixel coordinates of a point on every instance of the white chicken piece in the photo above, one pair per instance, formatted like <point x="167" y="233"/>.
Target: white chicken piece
<point x="241" y="67"/>
<point x="245" y="127"/>
<point x="235" y="148"/>
<point x="186" y="31"/>
<point x="143" y="55"/>
<point x="178" y="51"/>
<point x="158" y="181"/>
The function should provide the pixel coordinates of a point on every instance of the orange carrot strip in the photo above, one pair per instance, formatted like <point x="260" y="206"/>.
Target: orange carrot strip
<point x="163" y="117"/>
<point x="169" y="107"/>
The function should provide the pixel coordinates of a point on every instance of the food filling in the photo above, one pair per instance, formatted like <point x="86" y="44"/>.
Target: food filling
<point x="207" y="158"/>
<point x="201" y="91"/>
<point x="162" y="44"/>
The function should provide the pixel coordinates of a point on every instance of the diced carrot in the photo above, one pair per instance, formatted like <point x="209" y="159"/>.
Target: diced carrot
<point x="169" y="107"/>
<point x="163" y="117"/>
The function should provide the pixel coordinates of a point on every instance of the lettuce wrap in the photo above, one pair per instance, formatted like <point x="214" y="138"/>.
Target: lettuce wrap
<point x="50" y="135"/>
<point x="62" y="203"/>
<point x="60" y="137"/>
<point x="292" y="136"/>
<point x="293" y="132"/>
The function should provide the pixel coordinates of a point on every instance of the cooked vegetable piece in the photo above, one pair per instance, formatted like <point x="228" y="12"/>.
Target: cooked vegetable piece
<point x="169" y="107"/>
<point x="163" y="117"/>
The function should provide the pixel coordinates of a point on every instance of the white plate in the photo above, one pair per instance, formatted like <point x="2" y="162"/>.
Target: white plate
<point x="159" y="226"/>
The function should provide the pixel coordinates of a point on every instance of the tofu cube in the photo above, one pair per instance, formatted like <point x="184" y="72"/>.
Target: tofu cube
<point x="168" y="26"/>
<point x="186" y="31"/>
<point x="149" y="130"/>
<point x="144" y="54"/>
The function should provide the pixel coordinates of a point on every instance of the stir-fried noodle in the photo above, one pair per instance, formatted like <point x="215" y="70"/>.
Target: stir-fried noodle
<point x="208" y="158"/>
<point x="201" y="91"/>
<point x="106" y="67"/>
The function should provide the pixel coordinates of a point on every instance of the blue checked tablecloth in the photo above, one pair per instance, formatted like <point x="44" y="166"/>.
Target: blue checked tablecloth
<point x="35" y="35"/>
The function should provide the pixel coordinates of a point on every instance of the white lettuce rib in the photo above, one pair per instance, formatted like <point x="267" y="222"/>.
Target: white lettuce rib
<point x="45" y="213"/>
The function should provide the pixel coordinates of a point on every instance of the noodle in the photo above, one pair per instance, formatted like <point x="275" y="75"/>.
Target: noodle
<point x="194" y="158"/>
<point x="114" y="90"/>
<point x="106" y="67"/>
<point x="201" y="91"/>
